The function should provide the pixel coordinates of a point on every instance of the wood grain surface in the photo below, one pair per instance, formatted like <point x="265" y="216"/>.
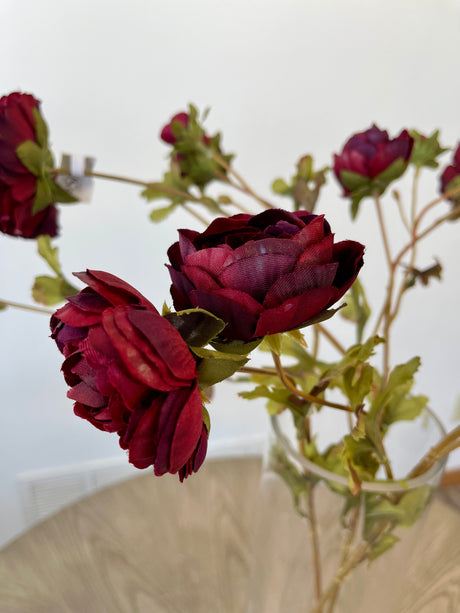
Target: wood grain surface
<point x="150" y="545"/>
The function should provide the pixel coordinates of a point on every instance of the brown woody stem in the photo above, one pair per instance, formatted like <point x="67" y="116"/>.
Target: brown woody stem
<point x="313" y="399"/>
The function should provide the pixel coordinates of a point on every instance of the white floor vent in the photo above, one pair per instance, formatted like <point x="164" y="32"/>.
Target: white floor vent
<point x="44" y="492"/>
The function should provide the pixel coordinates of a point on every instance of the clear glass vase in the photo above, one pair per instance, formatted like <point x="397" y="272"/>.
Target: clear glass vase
<point x="318" y="548"/>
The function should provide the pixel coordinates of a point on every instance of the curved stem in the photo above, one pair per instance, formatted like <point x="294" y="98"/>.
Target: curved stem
<point x="314" y="399"/>
<point x="241" y="185"/>
<point x="24" y="307"/>
<point x="313" y="526"/>
<point x="340" y="348"/>
<point x="387" y="308"/>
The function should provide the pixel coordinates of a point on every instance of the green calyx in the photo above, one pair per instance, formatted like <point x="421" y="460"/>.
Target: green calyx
<point x="363" y="187"/>
<point x="38" y="159"/>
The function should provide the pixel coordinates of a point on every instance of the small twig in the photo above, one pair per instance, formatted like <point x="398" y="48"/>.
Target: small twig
<point x="25" y="307"/>
<point x="340" y="348"/>
<point x="241" y="185"/>
<point x="314" y="399"/>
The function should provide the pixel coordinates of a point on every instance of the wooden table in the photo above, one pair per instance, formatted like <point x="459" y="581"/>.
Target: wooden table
<point x="152" y="545"/>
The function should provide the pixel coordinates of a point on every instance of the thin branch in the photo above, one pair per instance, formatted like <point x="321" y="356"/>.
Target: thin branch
<point x="340" y="348"/>
<point x="25" y="307"/>
<point x="241" y="185"/>
<point x="314" y="399"/>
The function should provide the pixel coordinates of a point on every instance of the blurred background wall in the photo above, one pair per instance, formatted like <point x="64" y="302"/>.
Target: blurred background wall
<point x="283" y="78"/>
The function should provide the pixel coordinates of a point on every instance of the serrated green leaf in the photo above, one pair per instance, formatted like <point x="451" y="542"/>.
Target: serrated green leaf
<point x="426" y="149"/>
<point x="162" y="213"/>
<point x="357" y="383"/>
<point x="407" y="409"/>
<point x="51" y="290"/>
<point x="279" y="398"/>
<point x="49" y="253"/>
<point x="196" y="326"/>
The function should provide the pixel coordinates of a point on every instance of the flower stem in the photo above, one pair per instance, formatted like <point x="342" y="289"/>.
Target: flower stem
<point x="241" y="184"/>
<point x="314" y="399"/>
<point x="24" y="307"/>
<point x="447" y="444"/>
<point x="316" y="556"/>
<point x="340" y="348"/>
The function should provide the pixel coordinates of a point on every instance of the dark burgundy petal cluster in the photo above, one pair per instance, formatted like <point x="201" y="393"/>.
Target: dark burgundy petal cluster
<point x="370" y="153"/>
<point x="167" y="134"/>
<point x="451" y="173"/>
<point x="17" y="183"/>
<point x="262" y="274"/>
<point x="130" y="372"/>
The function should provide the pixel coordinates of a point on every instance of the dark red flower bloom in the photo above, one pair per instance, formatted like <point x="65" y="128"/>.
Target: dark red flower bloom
<point x="370" y="161"/>
<point x="450" y="177"/>
<point x="18" y="185"/>
<point x="262" y="274"/>
<point x="130" y="372"/>
<point x="167" y="134"/>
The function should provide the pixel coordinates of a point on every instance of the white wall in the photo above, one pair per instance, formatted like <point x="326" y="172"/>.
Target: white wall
<point x="283" y="78"/>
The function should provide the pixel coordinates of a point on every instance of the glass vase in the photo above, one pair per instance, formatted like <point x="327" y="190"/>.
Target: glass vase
<point x="320" y="549"/>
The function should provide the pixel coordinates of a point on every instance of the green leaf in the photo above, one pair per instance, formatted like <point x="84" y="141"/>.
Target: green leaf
<point x="357" y="308"/>
<point x="357" y="383"/>
<point x="279" y="186"/>
<point x="360" y="454"/>
<point x="51" y="290"/>
<point x="407" y="409"/>
<point x="61" y="195"/>
<point x="273" y="342"/>
<point x="385" y="543"/>
<point x="196" y="326"/>
<point x="426" y="149"/>
<point x="353" y="181"/>
<point x="216" y="368"/>
<point x="403" y="512"/>
<point x="206" y="420"/>
<point x="390" y="174"/>
<point x="43" y="195"/>
<point x="279" y="398"/>
<point x="41" y="129"/>
<point x="162" y="213"/>
<point x="48" y="253"/>
<point x="297" y="482"/>
<point x="236" y="347"/>
<point x="32" y="156"/>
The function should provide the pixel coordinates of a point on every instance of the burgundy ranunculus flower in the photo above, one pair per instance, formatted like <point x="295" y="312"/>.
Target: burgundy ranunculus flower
<point x="262" y="274"/>
<point x="130" y="372"/>
<point x="18" y="185"/>
<point x="370" y="161"/>
<point x="167" y="134"/>
<point x="450" y="177"/>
